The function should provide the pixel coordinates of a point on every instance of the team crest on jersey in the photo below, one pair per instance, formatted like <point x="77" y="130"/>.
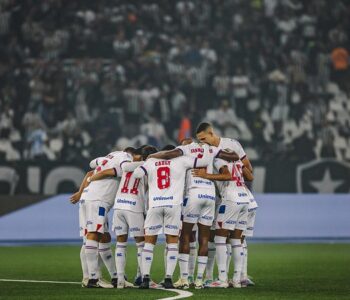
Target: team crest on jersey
<point x="323" y="176"/>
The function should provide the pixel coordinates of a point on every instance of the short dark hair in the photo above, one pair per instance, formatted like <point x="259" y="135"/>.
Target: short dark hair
<point x="148" y="150"/>
<point x="168" y="147"/>
<point x="130" y="150"/>
<point x="203" y="126"/>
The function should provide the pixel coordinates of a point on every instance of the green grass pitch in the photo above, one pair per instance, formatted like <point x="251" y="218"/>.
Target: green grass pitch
<point x="281" y="271"/>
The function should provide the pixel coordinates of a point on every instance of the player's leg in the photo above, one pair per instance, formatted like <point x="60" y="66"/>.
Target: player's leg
<point x="154" y="224"/>
<point x="172" y="225"/>
<point x="206" y="217"/>
<point x="228" y="254"/>
<point x="223" y="225"/>
<point x="140" y="243"/>
<point x="136" y="225"/>
<point x="83" y="231"/>
<point x="203" y="238"/>
<point x="95" y="219"/>
<point x="209" y="270"/>
<point x="184" y="253"/>
<point x="105" y="252"/>
<point x="245" y="280"/>
<point x="193" y="254"/>
<point x="236" y="243"/>
<point x="147" y="259"/>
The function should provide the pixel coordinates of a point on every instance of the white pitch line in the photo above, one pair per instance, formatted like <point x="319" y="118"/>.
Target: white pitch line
<point x="39" y="281"/>
<point x="181" y="294"/>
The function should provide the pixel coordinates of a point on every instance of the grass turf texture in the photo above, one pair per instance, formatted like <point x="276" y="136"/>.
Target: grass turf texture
<point x="281" y="271"/>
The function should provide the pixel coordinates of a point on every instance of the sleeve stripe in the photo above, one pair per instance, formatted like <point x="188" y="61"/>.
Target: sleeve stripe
<point x="180" y="150"/>
<point x="144" y="169"/>
<point x="123" y="162"/>
<point x="195" y="163"/>
<point x="217" y="155"/>
<point x="243" y="157"/>
<point x="115" y="172"/>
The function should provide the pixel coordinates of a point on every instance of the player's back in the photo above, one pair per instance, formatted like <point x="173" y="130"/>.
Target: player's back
<point x="235" y="189"/>
<point x="131" y="193"/>
<point x="166" y="179"/>
<point x="202" y="151"/>
<point x="104" y="189"/>
<point x="229" y="145"/>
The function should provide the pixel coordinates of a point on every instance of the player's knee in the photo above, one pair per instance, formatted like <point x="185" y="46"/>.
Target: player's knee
<point x="95" y="236"/>
<point x="122" y="238"/>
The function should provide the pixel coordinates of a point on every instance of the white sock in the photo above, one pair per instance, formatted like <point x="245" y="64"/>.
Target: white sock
<point x="84" y="265"/>
<point x="91" y="254"/>
<point x="147" y="258"/>
<point x="220" y="244"/>
<point x="100" y="265"/>
<point x="209" y="270"/>
<point x="183" y="264"/>
<point x="165" y="255"/>
<point x="201" y="263"/>
<point x="173" y="253"/>
<point x="139" y="258"/>
<point x="244" y="273"/>
<point x="105" y="251"/>
<point x="120" y="259"/>
<point x="237" y="251"/>
<point x="192" y="259"/>
<point x="228" y="257"/>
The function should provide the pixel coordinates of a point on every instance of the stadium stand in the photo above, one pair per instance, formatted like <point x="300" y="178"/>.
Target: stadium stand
<point x="78" y="78"/>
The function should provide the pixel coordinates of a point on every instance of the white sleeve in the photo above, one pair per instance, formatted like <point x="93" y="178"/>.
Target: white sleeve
<point x="131" y="166"/>
<point x="96" y="162"/>
<point x="141" y="171"/>
<point x="239" y="150"/>
<point x="215" y="151"/>
<point x="219" y="163"/>
<point x="192" y="162"/>
<point x="183" y="149"/>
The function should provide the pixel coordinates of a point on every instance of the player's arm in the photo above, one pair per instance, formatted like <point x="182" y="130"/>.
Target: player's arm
<point x="141" y="171"/>
<point x="247" y="174"/>
<point x="224" y="174"/>
<point x="247" y="164"/>
<point x="131" y="166"/>
<point x="228" y="156"/>
<point x="76" y="196"/>
<point x="112" y="172"/>
<point x="96" y="162"/>
<point x="169" y="154"/>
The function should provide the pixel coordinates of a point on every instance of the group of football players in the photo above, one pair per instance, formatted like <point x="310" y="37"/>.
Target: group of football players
<point x="194" y="192"/>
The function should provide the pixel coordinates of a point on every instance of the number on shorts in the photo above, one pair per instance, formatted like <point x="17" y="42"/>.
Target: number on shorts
<point x="163" y="177"/>
<point x="135" y="186"/>
<point x="237" y="174"/>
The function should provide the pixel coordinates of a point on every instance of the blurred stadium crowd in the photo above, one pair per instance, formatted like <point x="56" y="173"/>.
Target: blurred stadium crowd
<point x="78" y="78"/>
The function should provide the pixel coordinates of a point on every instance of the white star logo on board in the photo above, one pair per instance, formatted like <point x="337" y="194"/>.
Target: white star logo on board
<point x="326" y="185"/>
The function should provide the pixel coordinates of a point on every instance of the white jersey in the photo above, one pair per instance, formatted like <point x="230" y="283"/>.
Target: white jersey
<point x="204" y="151"/>
<point x="235" y="189"/>
<point x="131" y="193"/>
<point x="166" y="179"/>
<point x="232" y="145"/>
<point x="106" y="189"/>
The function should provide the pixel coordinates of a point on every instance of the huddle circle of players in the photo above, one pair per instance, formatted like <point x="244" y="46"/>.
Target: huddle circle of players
<point x="179" y="191"/>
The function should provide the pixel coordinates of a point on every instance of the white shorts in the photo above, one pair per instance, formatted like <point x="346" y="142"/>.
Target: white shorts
<point x="199" y="207"/>
<point x="125" y="221"/>
<point x="217" y="205"/>
<point x="95" y="214"/>
<point x="163" y="219"/>
<point x="232" y="215"/>
<point x="250" y="222"/>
